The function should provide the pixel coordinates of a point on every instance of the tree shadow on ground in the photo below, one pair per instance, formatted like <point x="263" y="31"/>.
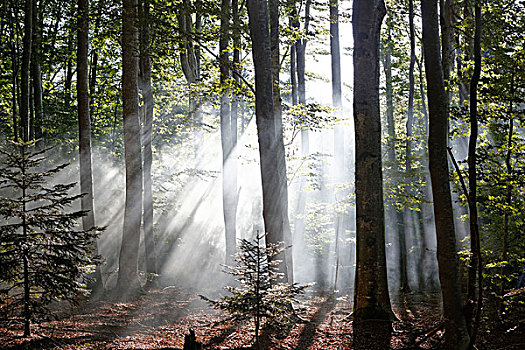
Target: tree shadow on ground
<point x="307" y="335"/>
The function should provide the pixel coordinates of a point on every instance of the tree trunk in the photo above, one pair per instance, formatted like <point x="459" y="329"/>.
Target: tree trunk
<point x="372" y="310"/>
<point x="147" y="135"/>
<point x="508" y="196"/>
<point x="24" y="72"/>
<point x="300" y="212"/>
<point x="271" y="157"/>
<point x="129" y="249"/>
<point x="276" y="93"/>
<point x="339" y="134"/>
<point x="84" y="129"/>
<point x="410" y="124"/>
<point x="228" y="192"/>
<point x="94" y="69"/>
<point x="13" y="19"/>
<point x="475" y="268"/>
<point x="37" y="75"/>
<point x="456" y="335"/>
<point x="400" y="227"/>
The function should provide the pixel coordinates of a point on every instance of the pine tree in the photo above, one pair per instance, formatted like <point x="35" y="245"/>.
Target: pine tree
<point x="259" y="294"/>
<point x="43" y="257"/>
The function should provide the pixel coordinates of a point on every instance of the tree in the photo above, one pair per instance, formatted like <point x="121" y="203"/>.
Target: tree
<point x="372" y="310"/>
<point x="276" y="91"/>
<point x="43" y="258"/>
<point x="400" y="216"/>
<point x="229" y="192"/>
<point x="475" y="269"/>
<point x="129" y="249"/>
<point x="271" y="154"/>
<point x="456" y="335"/>
<point x="25" y="70"/>
<point x="260" y="295"/>
<point x="147" y="134"/>
<point x="339" y="133"/>
<point x="84" y="127"/>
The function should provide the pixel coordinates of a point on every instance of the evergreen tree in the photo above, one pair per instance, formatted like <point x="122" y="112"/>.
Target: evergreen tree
<point x="259" y="294"/>
<point x="43" y="258"/>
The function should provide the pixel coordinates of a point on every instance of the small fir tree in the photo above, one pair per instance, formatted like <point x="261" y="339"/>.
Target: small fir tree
<point x="43" y="257"/>
<point x="259" y="294"/>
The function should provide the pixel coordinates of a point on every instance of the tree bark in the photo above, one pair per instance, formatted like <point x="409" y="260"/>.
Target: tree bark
<point x="36" y="75"/>
<point x="84" y="129"/>
<point x="456" y="335"/>
<point x="475" y="268"/>
<point x="372" y="309"/>
<point x="129" y="249"/>
<point x="25" y="69"/>
<point x="300" y="45"/>
<point x="228" y="192"/>
<point x="409" y="126"/>
<point x="276" y="92"/>
<point x="339" y="135"/>
<point x="147" y="136"/>
<point x="271" y="157"/>
<point x="400" y="227"/>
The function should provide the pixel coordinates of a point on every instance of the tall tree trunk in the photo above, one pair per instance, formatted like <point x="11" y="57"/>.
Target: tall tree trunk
<point x="446" y="21"/>
<point x="400" y="227"/>
<point x="25" y="69"/>
<point x="339" y="133"/>
<point x="228" y="192"/>
<point x="36" y="74"/>
<point x="272" y="158"/>
<point x="294" y="23"/>
<point x="508" y="195"/>
<point x="300" y="45"/>
<point x="475" y="268"/>
<point x="372" y="309"/>
<point x="84" y="129"/>
<point x="147" y="135"/>
<point x="456" y="335"/>
<point x="129" y="249"/>
<point x="14" y="68"/>
<point x="189" y="54"/>
<point x="94" y="69"/>
<point x="276" y="92"/>
<point x="410" y="122"/>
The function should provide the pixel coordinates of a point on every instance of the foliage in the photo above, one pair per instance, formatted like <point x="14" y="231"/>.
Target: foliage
<point x="259" y="295"/>
<point x="43" y="258"/>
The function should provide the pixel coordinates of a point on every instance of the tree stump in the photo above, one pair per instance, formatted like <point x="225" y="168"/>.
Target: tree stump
<point x="191" y="343"/>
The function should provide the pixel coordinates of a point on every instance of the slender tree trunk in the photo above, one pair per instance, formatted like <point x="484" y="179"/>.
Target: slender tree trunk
<point x="339" y="134"/>
<point x="294" y="23"/>
<point x="84" y="129"/>
<point x="228" y="192"/>
<point x="300" y="45"/>
<point x="94" y="70"/>
<point x="25" y="69"/>
<point x="446" y="21"/>
<point x="129" y="249"/>
<point x="456" y="335"/>
<point x="372" y="310"/>
<point x="410" y="123"/>
<point x="400" y="227"/>
<point x="508" y="196"/>
<point x="147" y="135"/>
<point x="272" y="158"/>
<point x="276" y="92"/>
<point x="36" y="75"/>
<point x="475" y="242"/>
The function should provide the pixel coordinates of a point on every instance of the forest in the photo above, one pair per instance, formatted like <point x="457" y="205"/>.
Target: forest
<point x="262" y="174"/>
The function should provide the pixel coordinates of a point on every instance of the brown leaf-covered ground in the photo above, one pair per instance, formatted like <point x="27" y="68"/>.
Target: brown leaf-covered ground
<point x="160" y="318"/>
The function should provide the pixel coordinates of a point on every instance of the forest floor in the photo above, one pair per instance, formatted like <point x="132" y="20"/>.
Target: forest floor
<point x="160" y="318"/>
